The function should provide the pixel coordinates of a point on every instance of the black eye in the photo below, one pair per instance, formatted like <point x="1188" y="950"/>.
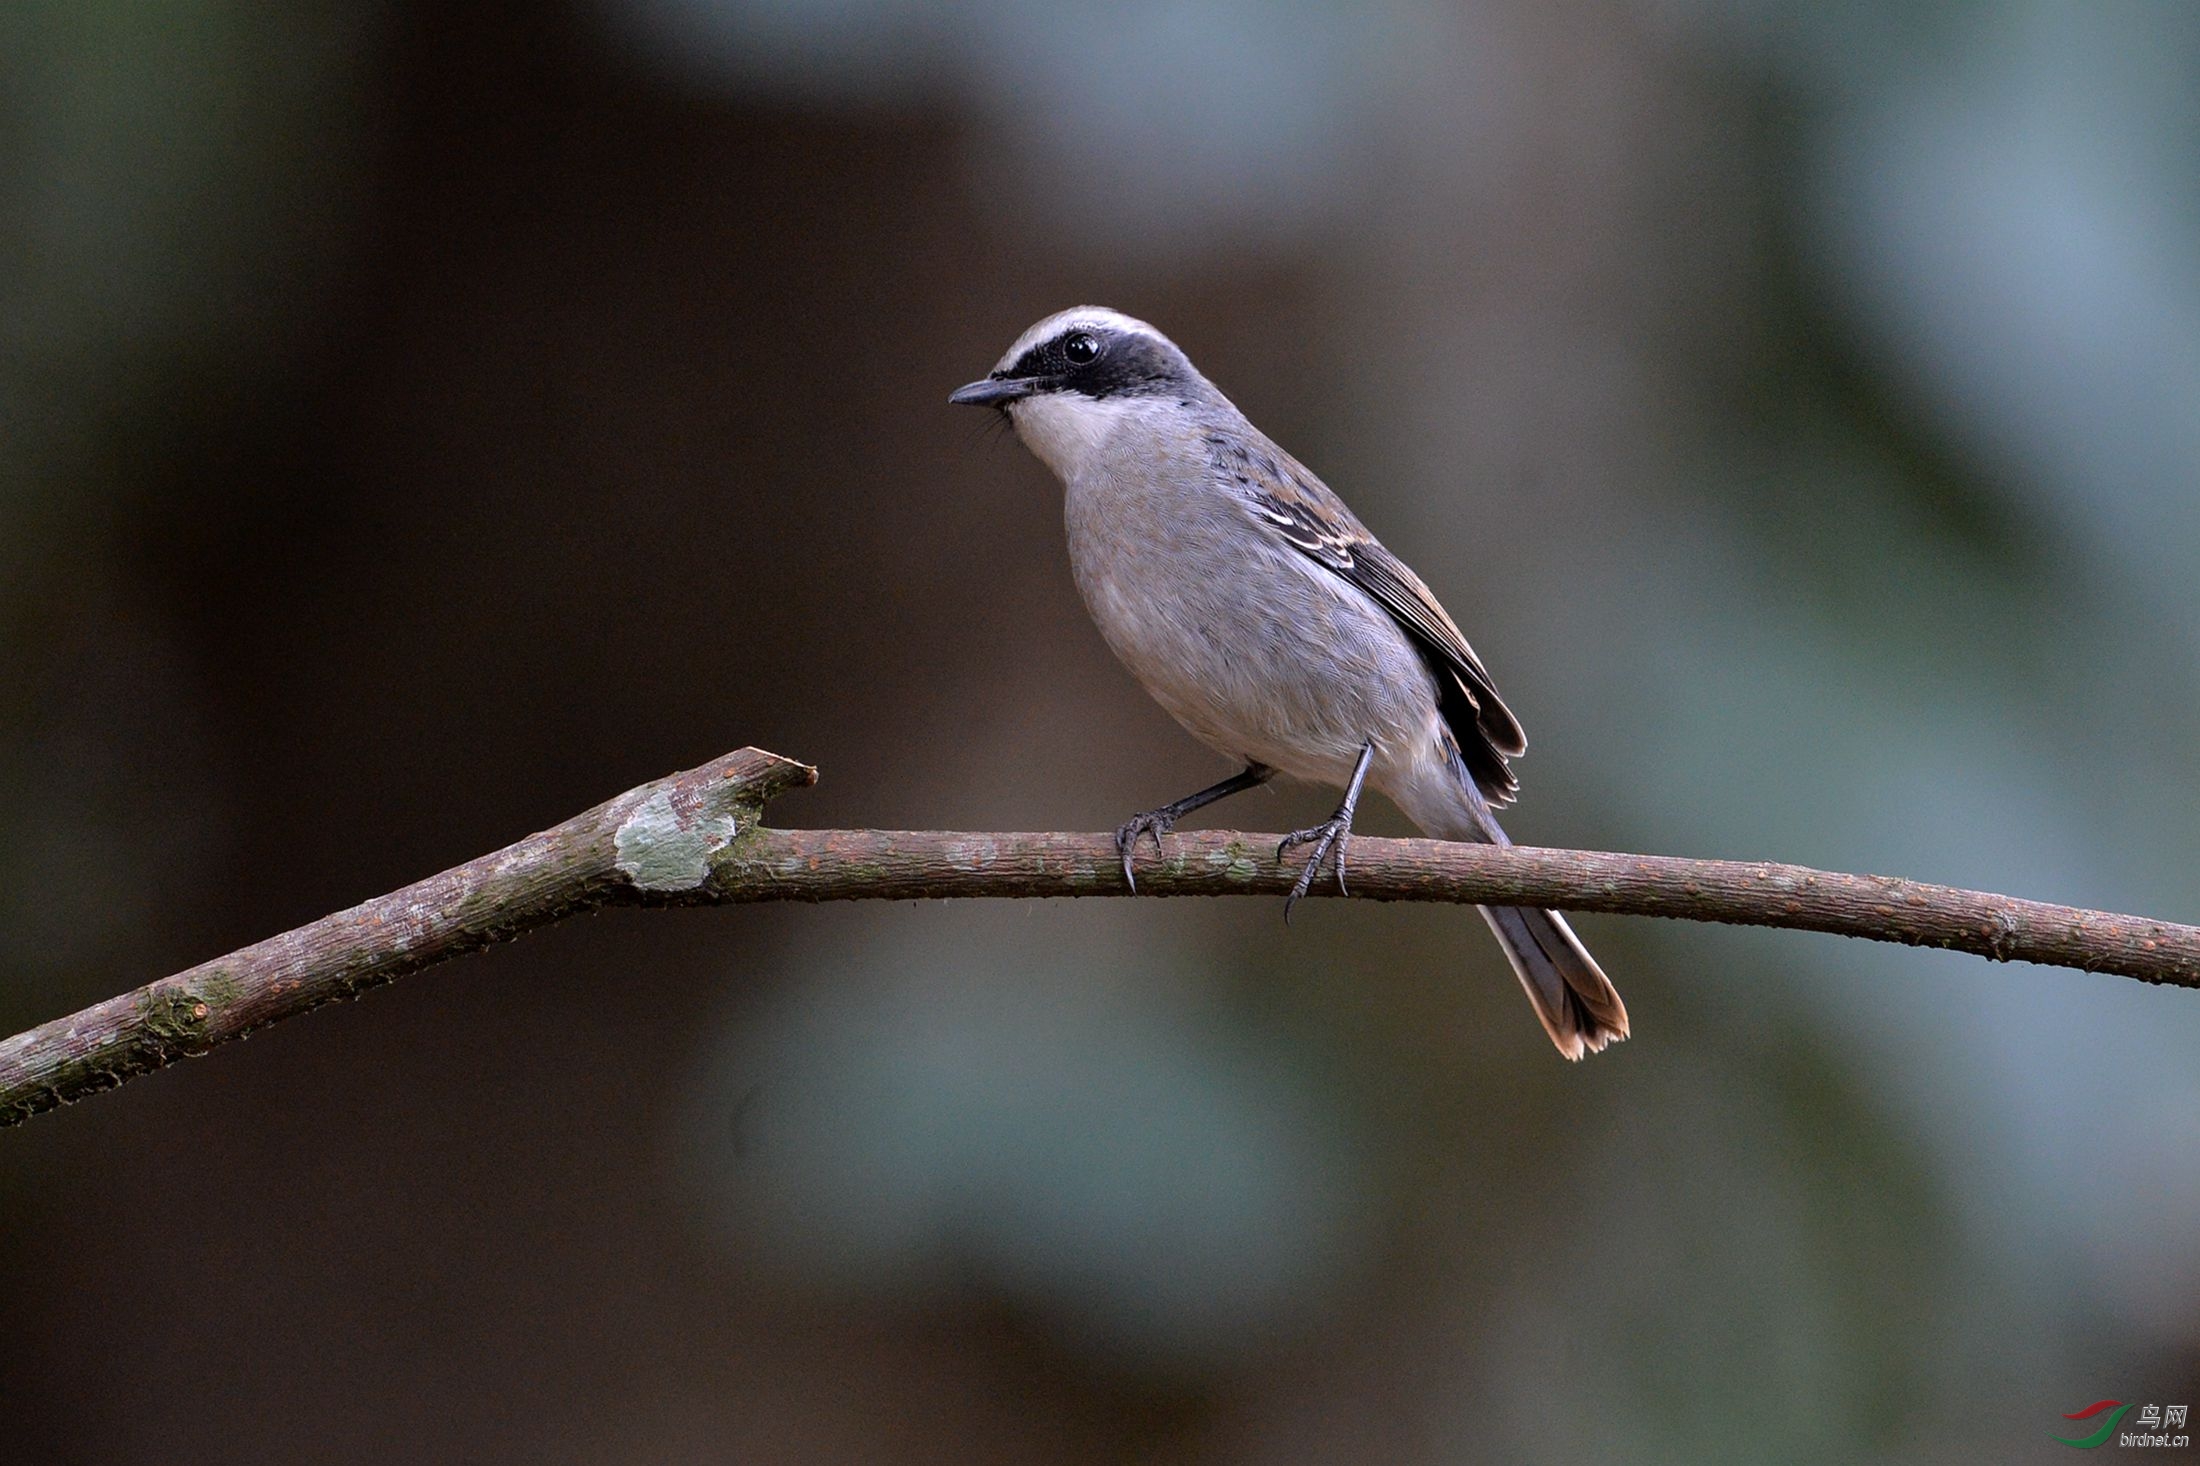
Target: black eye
<point x="1080" y="348"/>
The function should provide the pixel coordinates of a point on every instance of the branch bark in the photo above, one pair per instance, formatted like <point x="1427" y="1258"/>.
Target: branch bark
<point x="697" y="838"/>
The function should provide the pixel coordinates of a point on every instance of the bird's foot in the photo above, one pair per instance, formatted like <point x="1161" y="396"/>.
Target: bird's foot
<point x="1328" y="839"/>
<point x="1154" y="822"/>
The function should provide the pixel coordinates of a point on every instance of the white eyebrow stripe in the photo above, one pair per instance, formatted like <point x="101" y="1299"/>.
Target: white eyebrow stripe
<point x="1097" y="317"/>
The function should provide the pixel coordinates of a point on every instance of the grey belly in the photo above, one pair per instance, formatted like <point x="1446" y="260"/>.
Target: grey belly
<point x="1263" y="656"/>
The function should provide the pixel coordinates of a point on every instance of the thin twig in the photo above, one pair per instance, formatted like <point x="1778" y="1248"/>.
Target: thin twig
<point x="696" y="838"/>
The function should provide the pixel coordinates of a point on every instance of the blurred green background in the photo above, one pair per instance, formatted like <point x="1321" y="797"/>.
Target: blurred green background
<point x="420" y="422"/>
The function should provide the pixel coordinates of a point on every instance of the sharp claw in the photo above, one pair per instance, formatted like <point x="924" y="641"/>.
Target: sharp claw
<point x="1329" y="845"/>
<point x="1329" y="838"/>
<point x="1126" y="842"/>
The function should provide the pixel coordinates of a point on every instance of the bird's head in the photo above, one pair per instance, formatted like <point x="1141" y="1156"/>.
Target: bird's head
<point x="1070" y="381"/>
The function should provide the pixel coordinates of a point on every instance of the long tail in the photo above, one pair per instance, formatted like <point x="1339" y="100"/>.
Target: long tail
<point x="1580" y="1008"/>
<point x="1576" y="1002"/>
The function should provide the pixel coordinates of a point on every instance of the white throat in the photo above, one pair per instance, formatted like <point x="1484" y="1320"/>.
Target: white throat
<point x="1066" y="430"/>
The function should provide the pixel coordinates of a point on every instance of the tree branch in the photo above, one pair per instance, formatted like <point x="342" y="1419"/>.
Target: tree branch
<point x="697" y="838"/>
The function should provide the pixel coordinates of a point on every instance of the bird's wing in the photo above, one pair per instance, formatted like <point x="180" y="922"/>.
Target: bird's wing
<point x="1286" y="497"/>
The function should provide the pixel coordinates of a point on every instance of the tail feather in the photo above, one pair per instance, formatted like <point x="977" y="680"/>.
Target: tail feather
<point x="1577" y="1004"/>
<point x="1579" y="1007"/>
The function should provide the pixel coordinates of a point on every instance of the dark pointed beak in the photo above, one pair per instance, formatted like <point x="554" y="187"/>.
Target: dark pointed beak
<point x="993" y="392"/>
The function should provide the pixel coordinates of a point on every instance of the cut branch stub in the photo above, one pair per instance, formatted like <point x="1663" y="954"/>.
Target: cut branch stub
<point x="637" y="847"/>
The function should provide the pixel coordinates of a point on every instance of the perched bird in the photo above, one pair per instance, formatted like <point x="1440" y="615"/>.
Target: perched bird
<point x="1263" y="616"/>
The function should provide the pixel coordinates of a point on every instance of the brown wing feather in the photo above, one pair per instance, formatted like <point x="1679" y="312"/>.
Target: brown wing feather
<point x="1314" y="520"/>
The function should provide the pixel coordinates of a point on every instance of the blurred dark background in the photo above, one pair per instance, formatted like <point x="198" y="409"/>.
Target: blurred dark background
<point x="418" y="423"/>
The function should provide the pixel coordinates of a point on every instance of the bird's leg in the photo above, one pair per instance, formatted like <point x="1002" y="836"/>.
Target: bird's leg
<point x="1156" y="822"/>
<point x="1329" y="837"/>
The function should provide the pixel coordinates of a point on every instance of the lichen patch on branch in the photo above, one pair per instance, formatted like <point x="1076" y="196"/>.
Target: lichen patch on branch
<point x="660" y="851"/>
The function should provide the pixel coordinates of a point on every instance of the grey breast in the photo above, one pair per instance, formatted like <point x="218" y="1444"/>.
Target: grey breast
<point x="1257" y="651"/>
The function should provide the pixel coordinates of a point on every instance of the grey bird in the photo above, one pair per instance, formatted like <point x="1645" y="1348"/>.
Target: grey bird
<point x="1255" y="608"/>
